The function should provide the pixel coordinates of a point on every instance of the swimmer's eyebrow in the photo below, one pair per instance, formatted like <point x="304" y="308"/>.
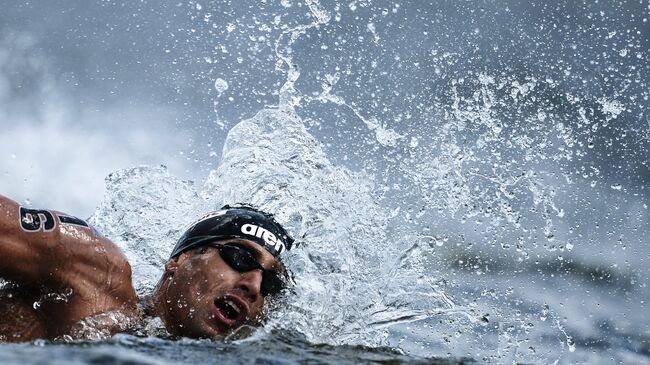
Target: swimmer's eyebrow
<point x="257" y="254"/>
<point x="254" y="251"/>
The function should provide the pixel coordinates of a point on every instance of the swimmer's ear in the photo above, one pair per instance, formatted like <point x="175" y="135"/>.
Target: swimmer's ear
<point x="171" y="266"/>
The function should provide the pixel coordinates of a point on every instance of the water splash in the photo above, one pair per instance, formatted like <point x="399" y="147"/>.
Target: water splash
<point x="290" y="97"/>
<point x="220" y="85"/>
<point x="350" y="288"/>
<point x="385" y="136"/>
<point x="101" y="327"/>
<point x="488" y="164"/>
<point x="144" y="211"/>
<point x="53" y="297"/>
<point x="272" y="161"/>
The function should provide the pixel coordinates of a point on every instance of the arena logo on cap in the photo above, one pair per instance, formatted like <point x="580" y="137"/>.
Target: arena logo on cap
<point x="268" y="237"/>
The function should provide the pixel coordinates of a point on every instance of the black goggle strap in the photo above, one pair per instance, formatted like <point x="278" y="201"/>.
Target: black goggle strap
<point x="271" y="282"/>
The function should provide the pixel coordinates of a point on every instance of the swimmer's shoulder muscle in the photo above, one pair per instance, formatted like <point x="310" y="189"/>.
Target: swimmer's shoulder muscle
<point x="41" y="247"/>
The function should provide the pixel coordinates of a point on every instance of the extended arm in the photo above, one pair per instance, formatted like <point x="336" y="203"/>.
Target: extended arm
<point x="27" y="240"/>
<point x="44" y="251"/>
<point x="48" y="247"/>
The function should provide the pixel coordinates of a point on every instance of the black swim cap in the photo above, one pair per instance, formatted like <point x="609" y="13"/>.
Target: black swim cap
<point x="235" y="222"/>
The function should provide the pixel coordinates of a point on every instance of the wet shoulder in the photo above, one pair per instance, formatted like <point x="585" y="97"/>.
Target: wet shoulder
<point x="91" y="259"/>
<point x="97" y="271"/>
<point x="79" y="238"/>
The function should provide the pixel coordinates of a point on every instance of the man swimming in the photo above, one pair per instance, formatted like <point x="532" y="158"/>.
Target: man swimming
<point x="64" y="276"/>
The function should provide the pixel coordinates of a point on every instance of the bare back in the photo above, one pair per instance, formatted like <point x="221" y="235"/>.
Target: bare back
<point x="61" y="271"/>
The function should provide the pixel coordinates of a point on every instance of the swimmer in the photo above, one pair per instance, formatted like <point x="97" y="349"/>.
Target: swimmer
<point x="63" y="275"/>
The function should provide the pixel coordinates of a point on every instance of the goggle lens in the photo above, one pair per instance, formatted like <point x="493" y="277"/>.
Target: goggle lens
<point x="241" y="260"/>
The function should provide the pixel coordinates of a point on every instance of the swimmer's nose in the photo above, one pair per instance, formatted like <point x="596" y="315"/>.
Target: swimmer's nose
<point x="251" y="283"/>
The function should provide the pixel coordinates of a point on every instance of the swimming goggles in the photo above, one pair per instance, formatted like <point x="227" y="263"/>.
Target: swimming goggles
<point x="242" y="260"/>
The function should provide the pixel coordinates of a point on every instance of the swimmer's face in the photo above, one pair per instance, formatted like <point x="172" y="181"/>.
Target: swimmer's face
<point x="207" y="298"/>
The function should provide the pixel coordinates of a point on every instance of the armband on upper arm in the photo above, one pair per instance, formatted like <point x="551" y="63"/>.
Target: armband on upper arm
<point x="37" y="220"/>
<point x="34" y="220"/>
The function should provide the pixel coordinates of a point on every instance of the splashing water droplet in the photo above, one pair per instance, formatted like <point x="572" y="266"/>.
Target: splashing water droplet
<point x="544" y="315"/>
<point x="220" y="85"/>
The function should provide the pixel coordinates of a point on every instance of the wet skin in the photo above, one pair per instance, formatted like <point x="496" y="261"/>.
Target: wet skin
<point x="211" y="298"/>
<point x="199" y="295"/>
<point x="69" y="270"/>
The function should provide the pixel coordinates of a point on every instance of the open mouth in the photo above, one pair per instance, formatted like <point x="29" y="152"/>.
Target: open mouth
<point x="230" y="310"/>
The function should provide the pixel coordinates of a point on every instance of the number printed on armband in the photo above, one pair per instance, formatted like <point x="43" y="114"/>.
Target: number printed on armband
<point x="33" y="220"/>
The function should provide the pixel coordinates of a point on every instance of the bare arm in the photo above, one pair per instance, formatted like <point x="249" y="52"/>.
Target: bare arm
<point x="41" y="247"/>
<point x="26" y="243"/>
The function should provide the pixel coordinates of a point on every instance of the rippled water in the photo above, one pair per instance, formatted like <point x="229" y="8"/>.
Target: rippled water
<point x="281" y="348"/>
<point x="466" y="182"/>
